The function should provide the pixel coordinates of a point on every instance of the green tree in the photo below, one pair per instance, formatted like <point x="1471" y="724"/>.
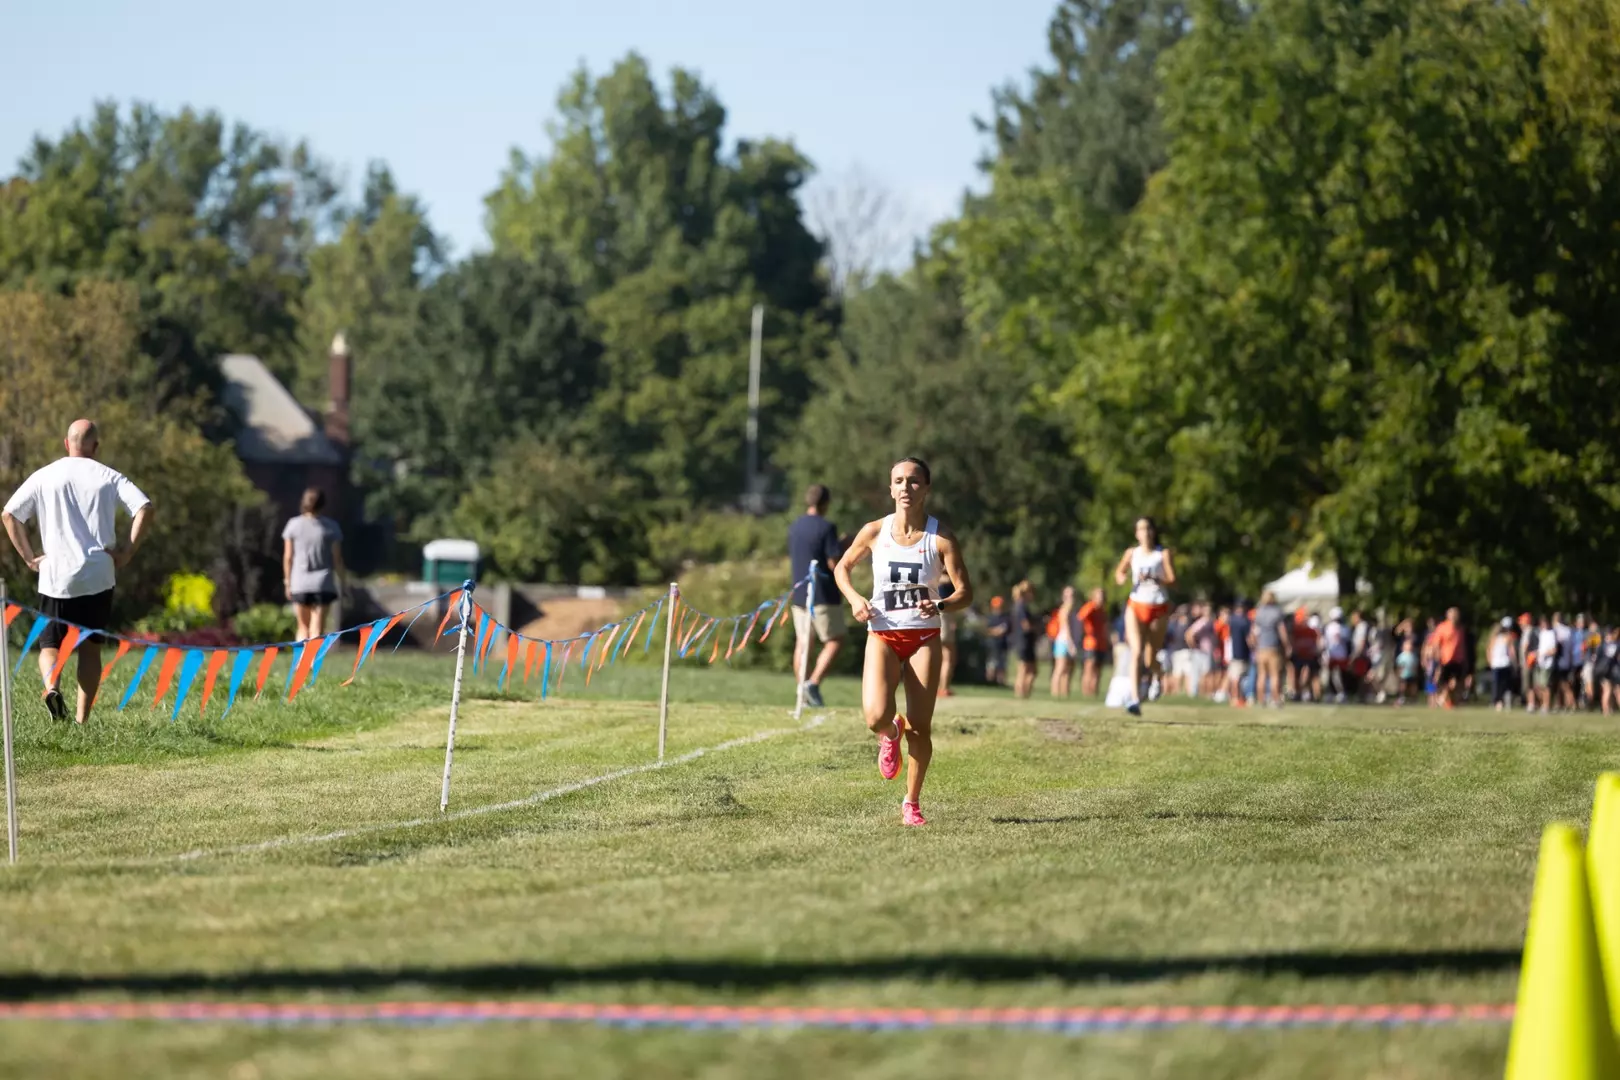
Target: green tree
<point x="66" y="356"/>
<point x="906" y="380"/>
<point x="212" y="224"/>
<point x="1093" y="116"/>
<point x="367" y="283"/>
<point x="499" y="351"/>
<point x="545" y="514"/>
<point x="671" y="240"/>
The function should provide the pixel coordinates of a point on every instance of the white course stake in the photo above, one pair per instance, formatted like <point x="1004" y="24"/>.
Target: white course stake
<point x="669" y="647"/>
<point x="5" y="720"/>
<point x="455" y="692"/>
<point x="809" y="640"/>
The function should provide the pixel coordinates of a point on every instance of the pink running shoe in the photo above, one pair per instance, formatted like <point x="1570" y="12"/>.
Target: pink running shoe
<point x="889" y="752"/>
<point x="911" y="814"/>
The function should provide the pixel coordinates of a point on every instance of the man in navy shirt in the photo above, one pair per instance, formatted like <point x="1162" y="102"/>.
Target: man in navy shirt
<point x="814" y="539"/>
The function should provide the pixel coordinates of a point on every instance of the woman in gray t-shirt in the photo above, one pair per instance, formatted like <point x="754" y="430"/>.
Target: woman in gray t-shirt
<point x="312" y="564"/>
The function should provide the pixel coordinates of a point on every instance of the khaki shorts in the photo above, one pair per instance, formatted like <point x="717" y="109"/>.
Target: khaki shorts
<point x="1236" y="669"/>
<point x="829" y="621"/>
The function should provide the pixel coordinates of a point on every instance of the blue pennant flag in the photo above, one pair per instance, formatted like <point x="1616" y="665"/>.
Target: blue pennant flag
<point x="40" y="623"/>
<point x="134" y="683"/>
<point x="239" y="669"/>
<point x="188" y="674"/>
<point x="320" y="657"/>
<point x="545" y="677"/>
<point x="657" y="611"/>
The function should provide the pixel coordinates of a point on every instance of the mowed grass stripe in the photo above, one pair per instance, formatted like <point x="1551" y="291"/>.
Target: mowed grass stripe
<point x="1204" y="856"/>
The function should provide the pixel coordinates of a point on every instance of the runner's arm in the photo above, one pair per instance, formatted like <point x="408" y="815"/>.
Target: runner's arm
<point x="1169" y="577"/>
<point x="1122" y="572"/>
<point x="859" y="548"/>
<point x="956" y="570"/>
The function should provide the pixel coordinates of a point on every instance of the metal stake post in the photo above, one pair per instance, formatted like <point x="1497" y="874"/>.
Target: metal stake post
<point x="809" y="639"/>
<point x="669" y="648"/>
<point x="5" y="720"/>
<point x="455" y="692"/>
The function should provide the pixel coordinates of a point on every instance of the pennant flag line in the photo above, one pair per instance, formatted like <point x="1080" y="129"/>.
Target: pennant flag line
<point x="264" y="670"/>
<point x="12" y="611"/>
<point x="106" y="669"/>
<point x="320" y="657"/>
<point x="166" y="670"/>
<point x="40" y="623"/>
<point x="216" y="661"/>
<point x="652" y="630"/>
<point x="188" y="673"/>
<point x="239" y="669"/>
<point x="140" y="672"/>
<point x="360" y="649"/>
<point x="70" y="641"/>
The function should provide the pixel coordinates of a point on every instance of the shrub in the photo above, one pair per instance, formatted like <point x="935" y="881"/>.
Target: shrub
<point x="265" y="624"/>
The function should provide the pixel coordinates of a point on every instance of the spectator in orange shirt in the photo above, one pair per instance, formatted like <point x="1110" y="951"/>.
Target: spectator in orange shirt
<point x="1448" y="649"/>
<point x="1095" y="646"/>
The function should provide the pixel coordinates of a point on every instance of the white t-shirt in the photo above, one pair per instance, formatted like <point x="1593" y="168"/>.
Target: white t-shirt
<point x="1338" y="641"/>
<point x="76" y="501"/>
<point x="1546" y="648"/>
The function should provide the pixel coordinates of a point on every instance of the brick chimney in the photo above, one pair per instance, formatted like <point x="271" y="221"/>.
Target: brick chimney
<point x="340" y="376"/>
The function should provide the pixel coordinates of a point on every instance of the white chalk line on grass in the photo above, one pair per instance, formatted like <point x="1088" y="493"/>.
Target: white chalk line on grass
<point x="493" y="808"/>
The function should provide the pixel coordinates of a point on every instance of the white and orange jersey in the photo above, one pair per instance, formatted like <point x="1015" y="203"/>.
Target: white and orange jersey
<point x="1147" y="576"/>
<point x="903" y="577"/>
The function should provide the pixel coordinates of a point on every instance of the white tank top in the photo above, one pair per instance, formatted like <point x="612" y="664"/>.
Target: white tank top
<point x="1147" y="576"/>
<point x="1501" y="651"/>
<point x="902" y="577"/>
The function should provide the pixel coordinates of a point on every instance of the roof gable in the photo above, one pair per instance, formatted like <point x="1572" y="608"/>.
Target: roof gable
<point x="272" y="427"/>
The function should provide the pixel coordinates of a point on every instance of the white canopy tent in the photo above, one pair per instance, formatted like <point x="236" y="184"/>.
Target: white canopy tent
<point x="1305" y="585"/>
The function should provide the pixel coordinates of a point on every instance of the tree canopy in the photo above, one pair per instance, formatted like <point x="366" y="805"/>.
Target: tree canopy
<point x="1301" y="278"/>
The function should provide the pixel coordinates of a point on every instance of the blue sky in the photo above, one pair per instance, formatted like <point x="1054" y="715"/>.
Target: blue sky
<point x="443" y="91"/>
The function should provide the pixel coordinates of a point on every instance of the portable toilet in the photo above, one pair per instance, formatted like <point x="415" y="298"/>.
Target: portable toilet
<point x="447" y="563"/>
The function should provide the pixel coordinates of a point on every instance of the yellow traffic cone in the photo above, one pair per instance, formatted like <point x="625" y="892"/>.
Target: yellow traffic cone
<point x="1603" y="882"/>
<point x="1561" y="1027"/>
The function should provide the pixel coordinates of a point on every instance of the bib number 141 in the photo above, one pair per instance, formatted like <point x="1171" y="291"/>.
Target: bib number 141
<point x="904" y="598"/>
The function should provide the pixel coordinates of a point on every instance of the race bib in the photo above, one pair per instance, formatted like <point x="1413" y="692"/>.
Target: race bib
<point x="904" y="597"/>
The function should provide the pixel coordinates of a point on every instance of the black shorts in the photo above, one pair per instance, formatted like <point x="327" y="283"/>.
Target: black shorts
<point x="1025" y="651"/>
<point x="1452" y="672"/>
<point x="85" y="612"/>
<point x="314" y="599"/>
<point x="1095" y="656"/>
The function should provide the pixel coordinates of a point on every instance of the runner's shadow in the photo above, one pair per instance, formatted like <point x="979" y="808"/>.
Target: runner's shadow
<point x="720" y="974"/>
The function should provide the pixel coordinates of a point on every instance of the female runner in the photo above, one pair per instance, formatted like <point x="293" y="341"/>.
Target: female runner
<point x="1147" y="614"/>
<point x="911" y="554"/>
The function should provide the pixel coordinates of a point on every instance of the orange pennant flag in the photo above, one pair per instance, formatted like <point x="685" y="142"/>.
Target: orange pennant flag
<point x="65" y="650"/>
<point x="306" y="661"/>
<point x="531" y="658"/>
<point x="743" y="644"/>
<point x="385" y="630"/>
<point x="12" y="611"/>
<point x="513" y="643"/>
<point x="489" y="642"/>
<point x="602" y="656"/>
<point x="634" y="630"/>
<point x="123" y="647"/>
<point x="360" y="652"/>
<point x="264" y="670"/>
<point x="216" y="660"/>
<point x="774" y="623"/>
<point x="171" y="661"/>
<point x="716" y="654"/>
<point x="450" y="613"/>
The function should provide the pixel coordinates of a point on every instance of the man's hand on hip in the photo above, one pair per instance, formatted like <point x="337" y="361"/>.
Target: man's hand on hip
<point x="36" y="562"/>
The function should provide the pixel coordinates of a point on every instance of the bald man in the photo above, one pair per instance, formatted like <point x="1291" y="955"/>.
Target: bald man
<point x="75" y="500"/>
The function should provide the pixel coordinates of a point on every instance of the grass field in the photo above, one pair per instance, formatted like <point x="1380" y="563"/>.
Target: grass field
<point x="1074" y="857"/>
